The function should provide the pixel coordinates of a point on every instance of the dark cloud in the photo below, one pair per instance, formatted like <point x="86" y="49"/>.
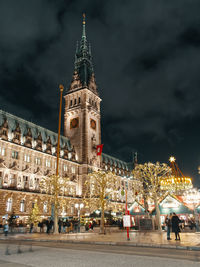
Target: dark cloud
<point x="146" y="59"/>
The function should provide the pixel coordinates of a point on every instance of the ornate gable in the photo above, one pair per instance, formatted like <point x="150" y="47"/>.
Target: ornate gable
<point x="4" y="130"/>
<point x="49" y="146"/>
<point x="92" y="84"/>
<point x="66" y="151"/>
<point x="28" y="137"/>
<point x="39" y="142"/>
<point x="17" y="134"/>
<point x="75" y="83"/>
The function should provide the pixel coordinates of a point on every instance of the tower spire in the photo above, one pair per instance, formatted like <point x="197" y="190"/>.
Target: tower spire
<point x="83" y="67"/>
<point x="83" y="38"/>
<point x="83" y="33"/>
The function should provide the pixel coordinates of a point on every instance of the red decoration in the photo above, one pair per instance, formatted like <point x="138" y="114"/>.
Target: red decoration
<point x="99" y="149"/>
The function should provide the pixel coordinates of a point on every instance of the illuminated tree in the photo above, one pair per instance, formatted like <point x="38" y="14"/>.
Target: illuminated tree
<point x="56" y="188"/>
<point x="150" y="176"/>
<point x="34" y="215"/>
<point x="99" y="188"/>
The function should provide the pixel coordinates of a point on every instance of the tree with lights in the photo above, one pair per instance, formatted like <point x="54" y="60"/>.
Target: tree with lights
<point x="34" y="215"/>
<point x="150" y="176"/>
<point x="56" y="188"/>
<point x="99" y="188"/>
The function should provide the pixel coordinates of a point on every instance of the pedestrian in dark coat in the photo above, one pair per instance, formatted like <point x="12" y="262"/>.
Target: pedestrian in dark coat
<point x="175" y="226"/>
<point x="168" y="224"/>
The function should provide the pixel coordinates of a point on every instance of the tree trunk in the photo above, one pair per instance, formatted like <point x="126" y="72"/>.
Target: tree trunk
<point x="55" y="218"/>
<point x="102" y="220"/>
<point x="158" y="214"/>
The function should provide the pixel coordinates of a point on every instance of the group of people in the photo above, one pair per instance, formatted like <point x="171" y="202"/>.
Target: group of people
<point x="173" y="224"/>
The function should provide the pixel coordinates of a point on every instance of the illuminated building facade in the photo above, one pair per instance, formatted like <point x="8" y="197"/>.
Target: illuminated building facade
<point x="28" y="151"/>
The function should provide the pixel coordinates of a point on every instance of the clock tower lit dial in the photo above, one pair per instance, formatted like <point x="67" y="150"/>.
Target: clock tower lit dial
<point x="74" y="123"/>
<point x="93" y="124"/>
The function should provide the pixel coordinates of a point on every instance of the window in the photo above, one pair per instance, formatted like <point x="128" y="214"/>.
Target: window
<point x="31" y="182"/>
<point x="2" y="151"/>
<point x="65" y="167"/>
<point x="79" y="100"/>
<point x="74" y="101"/>
<point x="6" y="179"/>
<point x="48" y="163"/>
<point x="45" y="207"/>
<point x="38" y="161"/>
<point x="12" y="179"/>
<point x="70" y="103"/>
<point x="22" y="206"/>
<point x="27" y="158"/>
<point x="15" y="154"/>
<point x="73" y="169"/>
<point x="9" y="205"/>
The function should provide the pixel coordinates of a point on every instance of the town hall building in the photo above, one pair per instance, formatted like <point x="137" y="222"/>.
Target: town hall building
<point x="28" y="151"/>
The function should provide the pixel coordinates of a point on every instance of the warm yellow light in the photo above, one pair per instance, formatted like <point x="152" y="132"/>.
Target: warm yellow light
<point x="172" y="159"/>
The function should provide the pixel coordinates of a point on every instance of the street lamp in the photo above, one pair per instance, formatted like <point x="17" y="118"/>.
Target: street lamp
<point x="79" y="207"/>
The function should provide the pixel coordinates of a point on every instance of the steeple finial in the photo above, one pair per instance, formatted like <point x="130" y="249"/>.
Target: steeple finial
<point x="83" y="34"/>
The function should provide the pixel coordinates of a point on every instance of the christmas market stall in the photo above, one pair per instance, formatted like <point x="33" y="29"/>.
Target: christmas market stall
<point x="171" y="204"/>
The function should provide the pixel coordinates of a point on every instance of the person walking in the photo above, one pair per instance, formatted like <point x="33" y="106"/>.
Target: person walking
<point x="168" y="224"/>
<point x="5" y="228"/>
<point x="175" y="226"/>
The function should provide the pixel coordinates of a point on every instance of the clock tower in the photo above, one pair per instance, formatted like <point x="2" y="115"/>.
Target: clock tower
<point x="82" y="107"/>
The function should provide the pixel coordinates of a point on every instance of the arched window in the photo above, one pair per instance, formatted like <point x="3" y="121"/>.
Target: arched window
<point x="6" y="179"/>
<point x="22" y="205"/>
<point x="45" y="207"/>
<point x="9" y="205"/>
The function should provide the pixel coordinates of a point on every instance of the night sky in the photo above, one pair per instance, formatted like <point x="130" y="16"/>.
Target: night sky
<point x="146" y="57"/>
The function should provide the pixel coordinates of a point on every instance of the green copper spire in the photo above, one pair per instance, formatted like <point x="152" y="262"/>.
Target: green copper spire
<point x="83" y="66"/>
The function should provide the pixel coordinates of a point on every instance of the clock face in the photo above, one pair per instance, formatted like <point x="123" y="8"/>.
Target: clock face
<point x="93" y="124"/>
<point x="74" y="123"/>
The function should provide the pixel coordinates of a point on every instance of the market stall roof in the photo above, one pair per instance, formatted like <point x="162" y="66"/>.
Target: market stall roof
<point x="170" y="204"/>
<point x="137" y="209"/>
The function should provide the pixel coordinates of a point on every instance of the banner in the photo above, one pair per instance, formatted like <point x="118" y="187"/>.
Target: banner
<point x="99" y="149"/>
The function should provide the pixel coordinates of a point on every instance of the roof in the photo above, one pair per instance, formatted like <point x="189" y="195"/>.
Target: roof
<point x="117" y="163"/>
<point x="137" y="209"/>
<point x="35" y="129"/>
<point x="178" y="208"/>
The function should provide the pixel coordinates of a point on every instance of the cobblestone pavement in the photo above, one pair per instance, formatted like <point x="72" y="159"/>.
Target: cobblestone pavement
<point x="136" y="238"/>
<point x="58" y="257"/>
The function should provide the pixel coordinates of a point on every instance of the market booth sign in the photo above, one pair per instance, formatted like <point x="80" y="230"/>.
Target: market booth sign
<point x="170" y="204"/>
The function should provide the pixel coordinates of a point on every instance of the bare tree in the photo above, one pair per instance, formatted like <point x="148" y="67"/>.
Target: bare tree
<point x="99" y="188"/>
<point x="56" y="188"/>
<point x="150" y="175"/>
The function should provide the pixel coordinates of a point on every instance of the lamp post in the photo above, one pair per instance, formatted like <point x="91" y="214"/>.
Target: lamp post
<point x="56" y="193"/>
<point x="79" y="207"/>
